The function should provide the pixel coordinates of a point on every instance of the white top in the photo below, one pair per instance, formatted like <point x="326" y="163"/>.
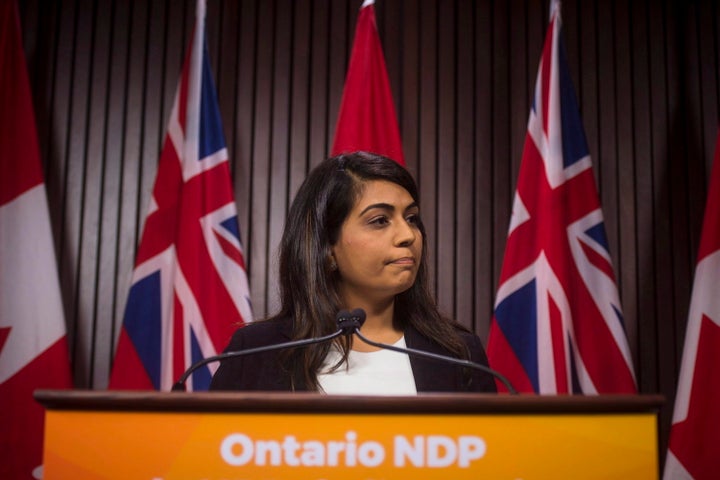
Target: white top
<point x="382" y="372"/>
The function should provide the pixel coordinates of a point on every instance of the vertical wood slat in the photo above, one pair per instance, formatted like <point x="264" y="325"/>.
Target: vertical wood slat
<point x="682" y="140"/>
<point x="660" y="131"/>
<point x="391" y="26"/>
<point x="588" y="86"/>
<point x="129" y="207"/>
<point x="708" y="51"/>
<point x="340" y="41"/>
<point x="464" y="171"/>
<point x="519" y="79"/>
<point x="606" y="153"/>
<point x="446" y="159"/>
<point x="280" y="142"/>
<point x="409" y="91"/>
<point x="701" y="130"/>
<point x="462" y="74"/>
<point x="625" y="266"/>
<point x="319" y="82"/>
<point x="110" y="216"/>
<point x="156" y="93"/>
<point x="223" y="23"/>
<point x="260" y="156"/>
<point x="427" y="152"/>
<point x="76" y="175"/>
<point x="242" y="144"/>
<point x="298" y="154"/>
<point x="55" y="172"/>
<point x="483" y="193"/>
<point x="40" y="62"/>
<point x="667" y="177"/>
<point x="642" y="140"/>
<point x="92" y="236"/>
<point x="503" y="185"/>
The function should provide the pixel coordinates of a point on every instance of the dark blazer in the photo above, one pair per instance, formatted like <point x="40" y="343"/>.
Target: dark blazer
<point x="265" y="371"/>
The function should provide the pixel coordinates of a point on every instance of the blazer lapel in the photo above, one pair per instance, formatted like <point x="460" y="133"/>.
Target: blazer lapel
<point x="430" y="375"/>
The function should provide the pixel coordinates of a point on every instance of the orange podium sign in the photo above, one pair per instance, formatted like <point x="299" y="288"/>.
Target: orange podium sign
<point x="223" y="436"/>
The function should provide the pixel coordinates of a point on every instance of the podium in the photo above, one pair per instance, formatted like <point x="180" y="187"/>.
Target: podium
<point x="309" y="436"/>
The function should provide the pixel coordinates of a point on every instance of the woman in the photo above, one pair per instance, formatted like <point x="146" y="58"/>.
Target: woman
<point x="354" y="239"/>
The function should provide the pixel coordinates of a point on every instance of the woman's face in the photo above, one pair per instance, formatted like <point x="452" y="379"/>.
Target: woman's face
<point x="379" y="247"/>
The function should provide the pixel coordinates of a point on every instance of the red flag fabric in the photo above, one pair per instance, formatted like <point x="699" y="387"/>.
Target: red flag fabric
<point x="33" y="342"/>
<point x="190" y="289"/>
<point x="694" y="445"/>
<point x="367" y="119"/>
<point x="557" y="325"/>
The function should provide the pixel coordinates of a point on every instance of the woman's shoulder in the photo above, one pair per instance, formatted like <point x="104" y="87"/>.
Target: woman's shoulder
<point x="269" y="324"/>
<point x="472" y="341"/>
<point x="261" y="332"/>
<point x="467" y="335"/>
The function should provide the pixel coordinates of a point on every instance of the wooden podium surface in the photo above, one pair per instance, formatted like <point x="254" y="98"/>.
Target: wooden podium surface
<point x="167" y="435"/>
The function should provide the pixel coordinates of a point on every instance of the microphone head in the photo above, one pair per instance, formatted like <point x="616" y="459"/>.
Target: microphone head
<point x="348" y="322"/>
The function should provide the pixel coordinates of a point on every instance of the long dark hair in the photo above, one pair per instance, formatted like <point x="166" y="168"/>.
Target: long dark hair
<point x="308" y="283"/>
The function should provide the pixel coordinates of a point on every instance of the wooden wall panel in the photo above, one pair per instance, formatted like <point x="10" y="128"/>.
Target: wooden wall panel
<point x="464" y="167"/>
<point x="110" y="220"/>
<point x="426" y="166"/>
<point x="242" y="88"/>
<point x="703" y="21"/>
<point x="445" y="159"/>
<point x="300" y="100"/>
<point x="91" y="236"/>
<point x="130" y="91"/>
<point x="646" y="311"/>
<point x="484" y="275"/>
<point x="626" y="251"/>
<point x="262" y="146"/>
<point x="502" y="159"/>
<point x="318" y="136"/>
<point x="646" y="74"/>
<point x="408" y="97"/>
<point x="278" y="194"/>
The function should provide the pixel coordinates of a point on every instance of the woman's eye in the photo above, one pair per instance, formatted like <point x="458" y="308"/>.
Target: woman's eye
<point x="379" y="220"/>
<point x="413" y="219"/>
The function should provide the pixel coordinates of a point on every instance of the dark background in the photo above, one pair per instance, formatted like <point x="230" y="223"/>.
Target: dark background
<point x="462" y="72"/>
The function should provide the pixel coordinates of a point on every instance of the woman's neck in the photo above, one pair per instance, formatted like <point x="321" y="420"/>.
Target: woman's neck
<point x="378" y="326"/>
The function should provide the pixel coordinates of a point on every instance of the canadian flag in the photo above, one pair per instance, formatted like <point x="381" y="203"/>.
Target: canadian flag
<point x="33" y="346"/>
<point x="694" y="446"/>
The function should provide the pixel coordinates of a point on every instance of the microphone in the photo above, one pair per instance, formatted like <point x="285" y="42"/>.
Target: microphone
<point x="346" y="324"/>
<point x="350" y="322"/>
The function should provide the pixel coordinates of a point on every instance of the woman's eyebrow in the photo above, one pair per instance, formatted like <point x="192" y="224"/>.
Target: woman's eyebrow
<point x="383" y="206"/>
<point x="386" y="206"/>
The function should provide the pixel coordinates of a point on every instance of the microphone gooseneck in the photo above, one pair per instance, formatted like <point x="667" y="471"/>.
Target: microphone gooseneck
<point x="346" y="326"/>
<point x="352" y="321"/>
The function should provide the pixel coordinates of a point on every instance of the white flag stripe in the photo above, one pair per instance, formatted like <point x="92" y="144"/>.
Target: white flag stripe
<point x="29" y="286"/>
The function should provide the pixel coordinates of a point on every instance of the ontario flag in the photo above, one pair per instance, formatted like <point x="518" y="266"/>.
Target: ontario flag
<point x="367" y="119"/>
<point x="694" y="445"/>
<point x="557" y="325"/>
<point x="189" y="288"/>
<point x="33" y="342"/>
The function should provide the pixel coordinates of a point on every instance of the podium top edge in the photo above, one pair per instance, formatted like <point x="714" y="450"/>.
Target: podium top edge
<point x="301" y="402"/>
